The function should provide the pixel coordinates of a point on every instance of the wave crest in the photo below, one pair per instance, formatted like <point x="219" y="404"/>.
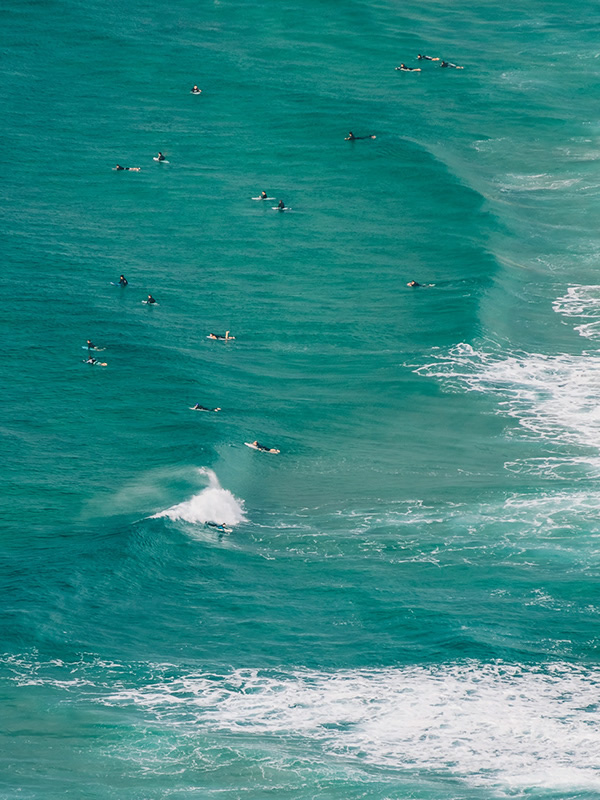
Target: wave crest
<point x="213" y="504"/>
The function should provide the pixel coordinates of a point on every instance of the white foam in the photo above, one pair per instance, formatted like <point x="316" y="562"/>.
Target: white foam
<point x="581" y="302"/>
<point x="500" y="725"/>
<point x="554" y="397"/>
<point x="213" y="504"/>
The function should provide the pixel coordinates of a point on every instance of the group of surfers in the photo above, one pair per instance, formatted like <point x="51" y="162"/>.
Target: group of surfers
<point x="281" y="207"/>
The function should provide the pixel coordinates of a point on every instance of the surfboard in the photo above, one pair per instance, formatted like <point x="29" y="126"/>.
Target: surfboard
<point x="263" y="198"/>
<point x="204" y="409"/>
<point x="273" y="451"/>
<point x="276" y="208"/>
<point x="112" y="283"/>
<point x="221" y="338"/>
<point x="160" y="160"/>
<point x="146" y="303"/>
<point x="96" y="363"/>
<point x="96" y="349"/>
<point x="198" y="92"/>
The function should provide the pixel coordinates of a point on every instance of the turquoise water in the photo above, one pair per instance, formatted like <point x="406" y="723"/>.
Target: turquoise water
<point x="407" y="605"/>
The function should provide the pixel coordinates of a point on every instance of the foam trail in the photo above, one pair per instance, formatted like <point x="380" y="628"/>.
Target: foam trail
<point x="213" y="504"/>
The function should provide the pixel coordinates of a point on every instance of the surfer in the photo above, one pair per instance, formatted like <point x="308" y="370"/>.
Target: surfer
<point x="263" y="448"/>
<point x="426" y="58"/>
<point x="198" y="407"/>
<point x="128" y="169"/>
<point x="263" y="195"/>
<point x="160" y="157"/>
<point x="219" y="526"/>
<point x="196" y="90"/>
<point x="90" y="345"/>
<point x="352" y="138"/>
<point x="404" y="68"/>
<point x="150" y="301"/>
<point x="123" y="281"/>
<point x="90" y="360"/>
<point x="413" y="284"/>
<point x="448" y="64"/>
<point x="281" y="205"/>
<point x="225" y="338"/>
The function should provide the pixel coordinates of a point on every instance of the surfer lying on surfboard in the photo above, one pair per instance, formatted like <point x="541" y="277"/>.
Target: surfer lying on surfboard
<point x="128" y="169"/>
<point x="404" y="68"/>
<point x="448" y="64"/>
<point x="219" y="526"/>
<point x="426" y="58"/>
<point x="352" y="138"/>
<point x="92" y="360"/>
<point x="198" y="407"/>
<point x="263" y="449"/>
<point x="226" y="338"/>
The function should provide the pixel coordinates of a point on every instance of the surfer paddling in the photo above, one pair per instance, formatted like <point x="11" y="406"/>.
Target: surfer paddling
<point x="263" y="448"/>
<point x="119" y="168"/>
<point x="404" y="68"/>
<point x="352" y="138"/>
<point x="426" y="58"/>
<point x="226" y="338"/>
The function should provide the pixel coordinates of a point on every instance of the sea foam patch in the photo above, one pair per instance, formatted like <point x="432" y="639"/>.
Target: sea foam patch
<point x="583" y="303"/>
<point x="552" y="396"/>
<point x="503" y="725"/>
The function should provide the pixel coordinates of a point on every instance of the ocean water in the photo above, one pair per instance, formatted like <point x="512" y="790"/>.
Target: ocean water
<point x="407" y="604"/>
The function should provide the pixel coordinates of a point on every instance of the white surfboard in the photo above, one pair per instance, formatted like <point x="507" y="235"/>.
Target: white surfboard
<point x="212" y="410"/>
<point x="263" y="198"/>
<point x="276" y="208"/>
<point x="146" y="303"/>
<point x="160" y="160"/>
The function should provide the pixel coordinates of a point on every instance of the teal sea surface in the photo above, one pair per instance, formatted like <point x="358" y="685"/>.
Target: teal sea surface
<point x="405" y="603"/>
